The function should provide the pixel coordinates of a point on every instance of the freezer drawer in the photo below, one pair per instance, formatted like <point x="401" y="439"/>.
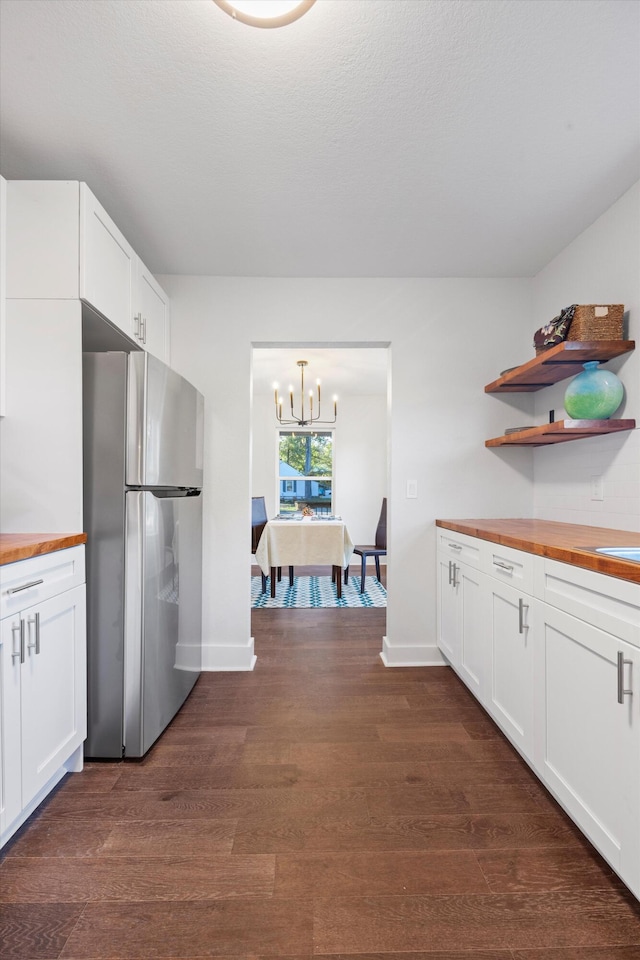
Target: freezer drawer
<point x="162" y="611"/>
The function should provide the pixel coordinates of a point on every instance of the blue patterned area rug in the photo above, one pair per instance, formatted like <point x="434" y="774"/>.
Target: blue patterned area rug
<point x="318" y="592"/>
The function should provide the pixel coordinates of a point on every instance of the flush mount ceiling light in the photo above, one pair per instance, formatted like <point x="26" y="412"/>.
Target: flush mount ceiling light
<point x="265" y="13"/>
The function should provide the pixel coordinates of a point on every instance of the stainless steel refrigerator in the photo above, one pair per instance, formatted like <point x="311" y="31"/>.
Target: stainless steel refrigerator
<point x="143" y="429"/>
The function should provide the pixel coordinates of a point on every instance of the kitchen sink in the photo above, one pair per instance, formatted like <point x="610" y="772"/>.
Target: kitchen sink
<point x="623" y="553"/>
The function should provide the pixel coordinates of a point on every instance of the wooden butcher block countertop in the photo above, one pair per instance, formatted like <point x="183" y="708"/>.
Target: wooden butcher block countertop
<point x="568" y="542"/>
<point x="21" y="546"/>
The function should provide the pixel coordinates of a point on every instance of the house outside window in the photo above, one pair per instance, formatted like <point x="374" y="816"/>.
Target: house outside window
<point x="305" y="471"/>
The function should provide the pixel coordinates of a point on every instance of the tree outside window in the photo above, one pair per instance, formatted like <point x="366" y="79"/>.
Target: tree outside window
<point x="305" y="473"/>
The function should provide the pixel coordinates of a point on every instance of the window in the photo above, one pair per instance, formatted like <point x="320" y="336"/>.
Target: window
<point x="305" y="470"/>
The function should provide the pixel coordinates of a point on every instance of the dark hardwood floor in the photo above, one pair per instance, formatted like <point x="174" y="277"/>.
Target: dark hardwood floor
<point x="321" y="806"/>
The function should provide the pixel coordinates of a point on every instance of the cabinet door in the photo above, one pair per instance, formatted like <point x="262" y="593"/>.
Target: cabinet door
<point x="471" y="586"/>
<point x="107" y="264"/>
<point x="509" y="689"/>
<point x="447" y="621"/>
<point x="53" y="704"/>
<point x="587" y="742"/>
<point x="151" y="313"/>
<point x="10" y="737"/>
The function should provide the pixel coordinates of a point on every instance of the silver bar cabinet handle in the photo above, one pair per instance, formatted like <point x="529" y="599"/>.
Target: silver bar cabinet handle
<point x="522" y="606"/>
<point x="144" y="329"/>
<point x="503" y="566"/>
<point x="26" y="586"/>
<point x="456" y="546"/>
<point x="456" y="568"/>
<point x="622" y="693"/>
<point x="137" y="321"/>
<point x="16" y="654"/>
<point x="450" y="572"/>
<point x="35" y="619"/>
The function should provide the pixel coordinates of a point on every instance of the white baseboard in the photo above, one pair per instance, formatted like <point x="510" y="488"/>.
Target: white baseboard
<point x="33" y="805"/>
<point x="230" y="657"/>
<point x="393" y="655"/>
<point x="188" y="657"/>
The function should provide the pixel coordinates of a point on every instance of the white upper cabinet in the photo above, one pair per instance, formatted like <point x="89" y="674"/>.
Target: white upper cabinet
<point x="107" y="264"/>
<point x="63" y="245"/>
<point x="150" y="313"/>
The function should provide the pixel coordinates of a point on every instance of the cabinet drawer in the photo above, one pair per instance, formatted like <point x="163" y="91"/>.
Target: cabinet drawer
<point x="608" y="603"/>
<point x="510" y="566"/>
<point x="459" y="546"/>
<point x="26" y="582"/>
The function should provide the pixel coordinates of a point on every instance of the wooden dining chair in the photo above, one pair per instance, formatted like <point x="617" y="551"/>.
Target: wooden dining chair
<point x="259" y="520"/>
<point x="375" y="550"/>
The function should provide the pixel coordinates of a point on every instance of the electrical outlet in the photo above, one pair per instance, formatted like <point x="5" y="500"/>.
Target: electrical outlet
<point x="597" y="488"/>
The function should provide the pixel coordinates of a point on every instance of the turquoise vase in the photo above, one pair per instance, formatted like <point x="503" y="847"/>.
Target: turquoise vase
<point x="594" y="394"/>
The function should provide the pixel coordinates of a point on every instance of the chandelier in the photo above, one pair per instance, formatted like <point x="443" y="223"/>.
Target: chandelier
<point x="304" y="418"/>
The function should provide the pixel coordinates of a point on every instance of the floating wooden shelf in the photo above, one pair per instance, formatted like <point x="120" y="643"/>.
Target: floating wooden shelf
<point x="560" y="432"/>
<point x="557" y="363"/>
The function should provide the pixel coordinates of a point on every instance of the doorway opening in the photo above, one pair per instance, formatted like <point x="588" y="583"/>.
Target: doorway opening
<point x="341" y="470"/>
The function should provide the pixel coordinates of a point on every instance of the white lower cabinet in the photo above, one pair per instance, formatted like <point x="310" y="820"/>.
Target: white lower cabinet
<point x="509" y="690"/>
<point x="460" y="620"/>
<point x="43" y="707"/>
<point x="447" y="620"/>
<point x="552" y="651"/>
<point x="588" y="733"/>
<point x="472" y="659"/>
<point x="10" y="726"/>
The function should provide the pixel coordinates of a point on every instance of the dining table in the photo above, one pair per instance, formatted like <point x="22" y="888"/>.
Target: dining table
<point x="304" y="541"/>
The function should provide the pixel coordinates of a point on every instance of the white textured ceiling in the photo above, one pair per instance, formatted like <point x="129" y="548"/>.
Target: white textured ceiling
<point x="343" y="372"/>
<point x="369" y="138"/>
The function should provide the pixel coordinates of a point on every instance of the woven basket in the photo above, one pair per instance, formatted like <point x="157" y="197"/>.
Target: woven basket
<point x="592" y="321"/>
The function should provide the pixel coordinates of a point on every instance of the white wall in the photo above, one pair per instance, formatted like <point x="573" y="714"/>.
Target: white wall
<point x="41" y="434"/>
<point x="601" y="266"/>
<point x="362" y="467"/>
<point x="3" y="292"/>
<point x="360" y="460"/>
<point x="448" y="338"/>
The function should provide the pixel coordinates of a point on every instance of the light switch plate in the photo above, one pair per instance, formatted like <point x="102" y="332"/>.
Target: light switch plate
<point x="412" y="489"/>
<point x="597" y="488"/>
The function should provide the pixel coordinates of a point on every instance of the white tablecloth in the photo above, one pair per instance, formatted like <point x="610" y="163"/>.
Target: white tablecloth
<point x="302" y="543"/>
